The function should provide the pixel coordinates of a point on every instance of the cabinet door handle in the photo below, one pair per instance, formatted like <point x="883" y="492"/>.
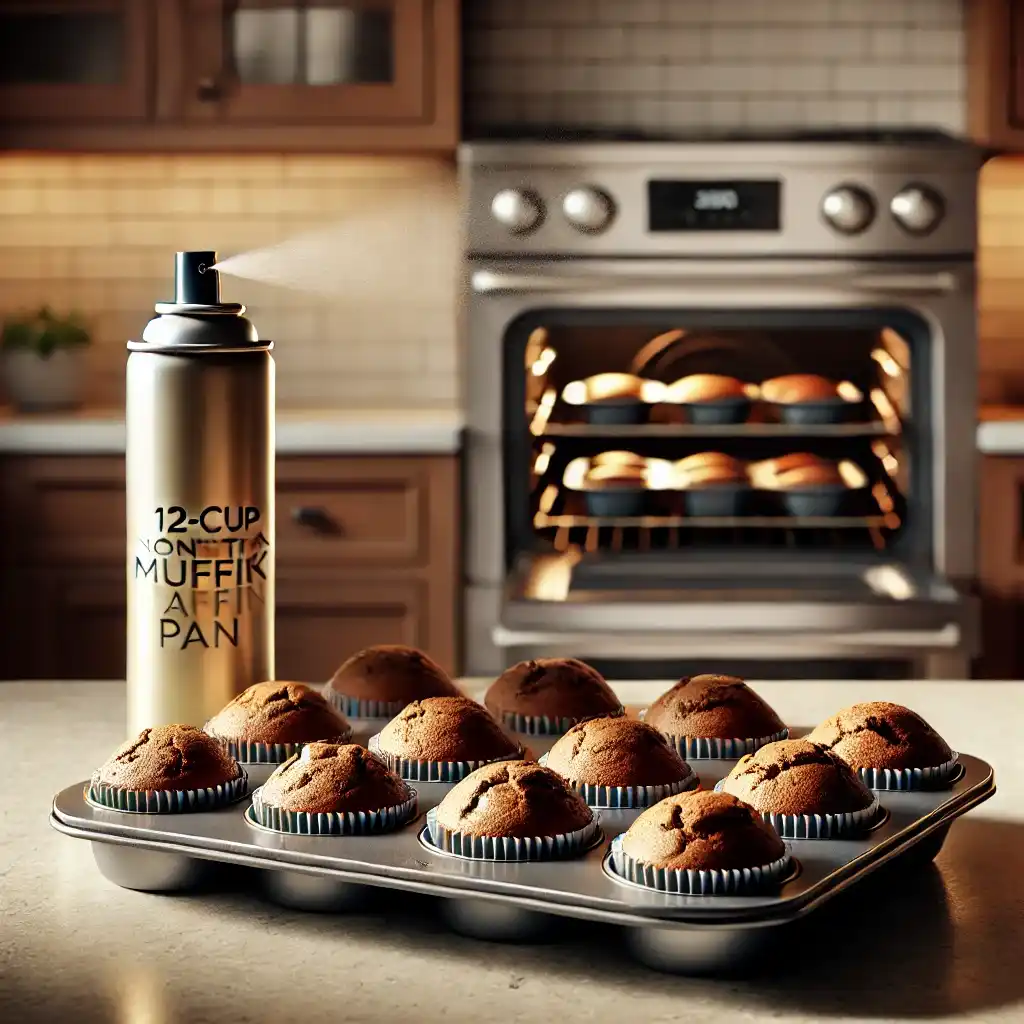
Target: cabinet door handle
<point x="317" y="519"/>
<point x="208" y="90"/>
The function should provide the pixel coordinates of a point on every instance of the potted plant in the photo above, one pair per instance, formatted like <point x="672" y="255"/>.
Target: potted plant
<point x="44" y="359"/>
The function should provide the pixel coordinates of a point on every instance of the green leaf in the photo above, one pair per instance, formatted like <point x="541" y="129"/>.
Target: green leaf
<point x="44" y="332"/>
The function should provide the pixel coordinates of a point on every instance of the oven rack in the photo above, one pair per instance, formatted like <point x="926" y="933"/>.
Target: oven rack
<point x="872" y="428"/>
<point x="570" y="521"/>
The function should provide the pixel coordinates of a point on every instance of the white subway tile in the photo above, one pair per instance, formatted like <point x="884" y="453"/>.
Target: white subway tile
<point x="938" y="112"/>
<point x="667" y="42"/>
<point x="910" y="79"/>
<point x="773" y="112"/>
<point x="590" y="43"/>
<point x="628" y="79"/>
<point x="726" y="111"/>
<point x="935" y="45"/>
<point x="630" y="12"/>
<point x="887" y="42"/>
<point x="872" y="12"/>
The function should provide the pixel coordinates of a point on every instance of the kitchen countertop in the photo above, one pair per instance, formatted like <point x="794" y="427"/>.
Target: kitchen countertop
<point x="354" y="431"/>
<point x="946" y="943"/>
<point x="299" y="432"/>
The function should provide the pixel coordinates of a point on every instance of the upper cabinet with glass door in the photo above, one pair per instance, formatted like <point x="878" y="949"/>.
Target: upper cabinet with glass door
<point x="244" y="74"/>
<point x="87" y="61"/>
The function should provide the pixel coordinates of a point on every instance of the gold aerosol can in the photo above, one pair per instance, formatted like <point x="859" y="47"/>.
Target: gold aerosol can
<point x="200" y="489"/>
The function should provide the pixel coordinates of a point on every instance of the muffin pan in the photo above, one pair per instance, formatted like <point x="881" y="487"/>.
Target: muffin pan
<point x="508" y="901"/>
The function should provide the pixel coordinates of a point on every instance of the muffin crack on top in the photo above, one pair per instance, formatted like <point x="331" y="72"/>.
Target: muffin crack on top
<point x="793" y="759"/>
<point x="886" y="731"/>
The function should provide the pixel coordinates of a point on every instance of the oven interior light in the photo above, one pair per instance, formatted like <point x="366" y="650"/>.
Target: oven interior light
<point x="896" y="348"/>
<point x="543" y="362"/>
<point x="888" y="581"/>
<point x="575" y="393"/>
<point x="543" y="413"/>
<point x="890" y="418"/>
<point x="889" y="365"/>
<point x="547" y="499"/>
<point x="849" y="392"/>
<point x="543" y="460"/>
<point x="853" y="476"/>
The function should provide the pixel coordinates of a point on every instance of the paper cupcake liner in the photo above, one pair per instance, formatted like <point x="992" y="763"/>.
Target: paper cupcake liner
<point x="251" y="752"/>
<point x="613" y="798"/>
<point x="734" y="882"/>
<point x="894" y="779"/>
<point x="341" y="823"/>
<point x="352" y="707"/>
<point x="509" y="848"/>
<point x="819" y="826"/>
<point x="433" y="771"/>
<point x="703" y="748"/>
<point x="166" y="801"/>
<point x="547" y="725"/>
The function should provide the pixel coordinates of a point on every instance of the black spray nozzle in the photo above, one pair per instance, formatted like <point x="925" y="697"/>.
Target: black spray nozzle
<point x="195" y="280"/>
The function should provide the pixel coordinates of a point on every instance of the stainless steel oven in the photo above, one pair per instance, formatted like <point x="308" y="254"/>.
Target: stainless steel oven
<point x="849" y="260"/>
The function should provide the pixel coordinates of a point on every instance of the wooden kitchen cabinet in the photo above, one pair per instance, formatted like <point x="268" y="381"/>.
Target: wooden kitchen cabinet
<point x="1001" y="567"/>
<point x="230" y="75"/>
<point x="367" y="552"/>
<point x="995" y="72"/>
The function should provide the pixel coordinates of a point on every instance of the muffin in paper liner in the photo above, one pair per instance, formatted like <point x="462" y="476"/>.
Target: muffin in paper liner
<point x="412" y="770"/>
<point x="704" y="748"/>
<point x="692" y="882"/>
<point x="352" y="707"/>
<point x="905" y="779"/>
<point x="166" y="801"/>
<point x="253" y="752"/>
<point x="512" y="848"/>
<point x="546" y="725"/>
<point x="820" y="826"/>
<point x="613" y="798"/>
<point x="339" y="823"/>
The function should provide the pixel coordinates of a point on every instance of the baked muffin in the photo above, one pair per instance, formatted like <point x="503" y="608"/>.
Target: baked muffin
<point x="512" y="810"/>
<point x="442" y="739"/>
<point x="379" y="681"/>
<point x="714" y="716"/>
<point x="709" y="468"/>
<point x="617" y="457"/>
<point x="619" y="762"/>
<point x="616" y="474"/>
<point x="700" y="843"/>
<point x="268" y="721"/>
<point x="613" y="387"/>
<point x="168" y="768"/>
<point x="549" y="695"/>
<point x="795" y="388"/>
<point x="705" y="387"/>
<point x="793" y="779"/>
<point x="889" y="745"/>
<point x="333" y="788"/>
<point x="813" y="472"/>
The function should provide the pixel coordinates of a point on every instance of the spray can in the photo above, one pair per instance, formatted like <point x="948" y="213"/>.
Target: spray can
<point x="200" y="496"/>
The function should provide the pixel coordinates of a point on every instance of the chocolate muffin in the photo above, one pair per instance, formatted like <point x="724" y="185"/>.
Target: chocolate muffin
<point x="616" y="752"/>
<point x="379" y="681"/>
<point x="702" y="831"/>
<point x="515" y="799"/>
<point x="549" y="695"/>
<point x="444" y="730"/>
<point x="333" y="778"/>
<point x="880" y="734"/>
<point x="277" y="714"/>
<point x="797" y="777"/>
<point x="714" y="716"/>
<point x="167" y="769"/>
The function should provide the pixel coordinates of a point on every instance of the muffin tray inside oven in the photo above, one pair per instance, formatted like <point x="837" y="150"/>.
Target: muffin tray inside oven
<point x="507" y="901"/>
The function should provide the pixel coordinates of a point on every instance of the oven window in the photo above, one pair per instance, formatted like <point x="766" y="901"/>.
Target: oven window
<point x="685" y="431"/>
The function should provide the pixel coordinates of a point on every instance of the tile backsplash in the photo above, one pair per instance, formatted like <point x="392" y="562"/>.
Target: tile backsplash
<point x="680" y="64"/>
<point x="98" y="234"/>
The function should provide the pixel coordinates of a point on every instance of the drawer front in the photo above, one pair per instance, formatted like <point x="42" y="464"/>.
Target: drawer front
<point x="352" y="511"/>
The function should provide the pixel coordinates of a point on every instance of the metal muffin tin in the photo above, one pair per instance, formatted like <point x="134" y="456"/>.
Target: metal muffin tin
<point x="508" y="901"/>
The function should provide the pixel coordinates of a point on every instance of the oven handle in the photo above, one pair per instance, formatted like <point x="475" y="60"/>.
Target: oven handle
<point x="948" y="637"/>
<point x="489" y="282"/>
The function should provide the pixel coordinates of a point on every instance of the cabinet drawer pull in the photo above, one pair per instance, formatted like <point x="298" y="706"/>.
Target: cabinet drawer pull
<point x="318" y="519"/>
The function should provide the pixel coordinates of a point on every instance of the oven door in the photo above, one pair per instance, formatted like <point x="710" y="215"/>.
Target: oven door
<point x="911" y="603"/>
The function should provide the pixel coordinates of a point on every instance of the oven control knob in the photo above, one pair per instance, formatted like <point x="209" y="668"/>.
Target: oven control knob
<point x="588" y="209"/>
<point x="519" y="210"/>
<point x="917" y="209"/>
<point x="849" y="209"/>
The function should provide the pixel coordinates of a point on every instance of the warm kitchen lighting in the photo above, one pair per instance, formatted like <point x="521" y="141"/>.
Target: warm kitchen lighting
<point x="889" y="365"/>
<point x="543" y="413"/>
<point x="849" y="392"/>
<point x="543" y="362"/>
<point x="543" y="460"/>
<point x="881" y="402"/>
<point x="888" y="581"/>
<point x="551" y="576"/>
<point x="853" y="476"/>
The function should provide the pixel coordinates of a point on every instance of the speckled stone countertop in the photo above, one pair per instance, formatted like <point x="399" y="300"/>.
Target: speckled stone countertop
<point x="74" y="947"/>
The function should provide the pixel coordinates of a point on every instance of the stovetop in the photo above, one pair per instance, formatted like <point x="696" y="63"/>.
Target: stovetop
<point x="858" y="136"/>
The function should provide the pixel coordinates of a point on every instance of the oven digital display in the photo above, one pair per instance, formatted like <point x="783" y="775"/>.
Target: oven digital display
<point x="714" y="205"/>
